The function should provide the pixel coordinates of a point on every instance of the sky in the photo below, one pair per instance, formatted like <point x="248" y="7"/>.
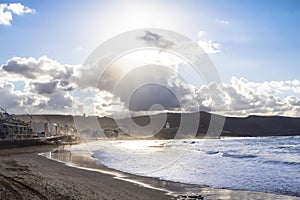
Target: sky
<point x="254" y="45"/>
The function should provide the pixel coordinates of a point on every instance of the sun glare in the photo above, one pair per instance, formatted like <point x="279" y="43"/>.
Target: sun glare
<point x="139" y="58"/>
<point x="141" y="14"/>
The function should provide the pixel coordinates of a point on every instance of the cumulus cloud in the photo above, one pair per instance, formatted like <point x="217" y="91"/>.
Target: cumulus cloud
<point x="52" y="87"/>
<point x="47" y="85"/>
<point x="5" y="16"/>
<point x="60" y="101"/>
<point x="16" y="101"/>
<point x="239" y="97"/>
<point x="148" y="95"/>
<point x="156" y="39"/>
<point x="207" y="45"/>
<point x="20" y="101"/>
<point x="243" y="97"/>
<point x="19" y="9"/>
<point x="221" y="21"/>
<point x="92" y="101"/>
<point x="9" y="98"/>
<point x="43" y="68"/>
<point x="45" y="88"/>
<point x="7" y="11"/>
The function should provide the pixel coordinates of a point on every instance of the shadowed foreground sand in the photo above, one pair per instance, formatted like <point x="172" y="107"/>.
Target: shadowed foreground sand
<point x="26" y="175"/>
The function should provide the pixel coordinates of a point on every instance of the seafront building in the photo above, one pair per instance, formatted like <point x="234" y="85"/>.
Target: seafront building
<point x="13" y="128"/>
<point x="48" y="129"/>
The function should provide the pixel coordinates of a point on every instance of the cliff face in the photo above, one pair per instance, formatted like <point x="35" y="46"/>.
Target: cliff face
<point x="261" y="126"/>
<point x="251" y="126"/>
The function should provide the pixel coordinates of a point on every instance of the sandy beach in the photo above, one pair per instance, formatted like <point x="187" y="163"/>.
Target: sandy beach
<point x="24" y="174"/>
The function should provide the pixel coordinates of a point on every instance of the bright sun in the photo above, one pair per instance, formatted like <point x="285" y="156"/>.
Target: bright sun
<point x="130" y="15"/>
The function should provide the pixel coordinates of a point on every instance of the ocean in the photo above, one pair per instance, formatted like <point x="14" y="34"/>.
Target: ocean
<point x="263" y="164"/>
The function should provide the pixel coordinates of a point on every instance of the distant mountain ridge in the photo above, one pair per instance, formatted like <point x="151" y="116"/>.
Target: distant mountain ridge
<point x="251" y="126"/>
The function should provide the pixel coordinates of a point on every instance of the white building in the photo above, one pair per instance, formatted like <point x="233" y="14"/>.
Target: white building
<point x="48" y="129"/>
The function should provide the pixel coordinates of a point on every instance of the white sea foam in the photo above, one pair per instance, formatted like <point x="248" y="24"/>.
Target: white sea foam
<point x="268" y="164"/>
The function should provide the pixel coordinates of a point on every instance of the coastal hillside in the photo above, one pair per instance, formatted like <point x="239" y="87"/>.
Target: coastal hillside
<point x="251" y="126"/>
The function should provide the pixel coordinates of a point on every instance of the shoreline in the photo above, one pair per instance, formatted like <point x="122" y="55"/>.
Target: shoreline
<point x="85" y="162"/>
<point x="26" y="175"/>
<point x="174" y="189"/>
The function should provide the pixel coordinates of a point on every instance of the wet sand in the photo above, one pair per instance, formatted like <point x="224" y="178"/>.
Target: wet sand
<point x="26" y="175"/>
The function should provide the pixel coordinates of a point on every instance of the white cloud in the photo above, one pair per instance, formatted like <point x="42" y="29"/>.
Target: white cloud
<point x="42" y="69"/>
<point x="19" y="9"/>
<point x="223" y="21"/>
<point x="243" y="97"/>
<point x="7" y="11"/>
<point x="51" y="87"/>
<point x="5" y="16"/>
<point x="207" y="45"/>
<point x="48" y="84"/>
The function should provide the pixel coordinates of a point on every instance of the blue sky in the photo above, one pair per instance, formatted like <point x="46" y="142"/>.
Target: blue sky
<point x="254" y="40"/>
<point x="259" y="43"/>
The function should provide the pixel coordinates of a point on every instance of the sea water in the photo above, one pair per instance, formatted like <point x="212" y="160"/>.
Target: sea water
<point x="264" y="164"/>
